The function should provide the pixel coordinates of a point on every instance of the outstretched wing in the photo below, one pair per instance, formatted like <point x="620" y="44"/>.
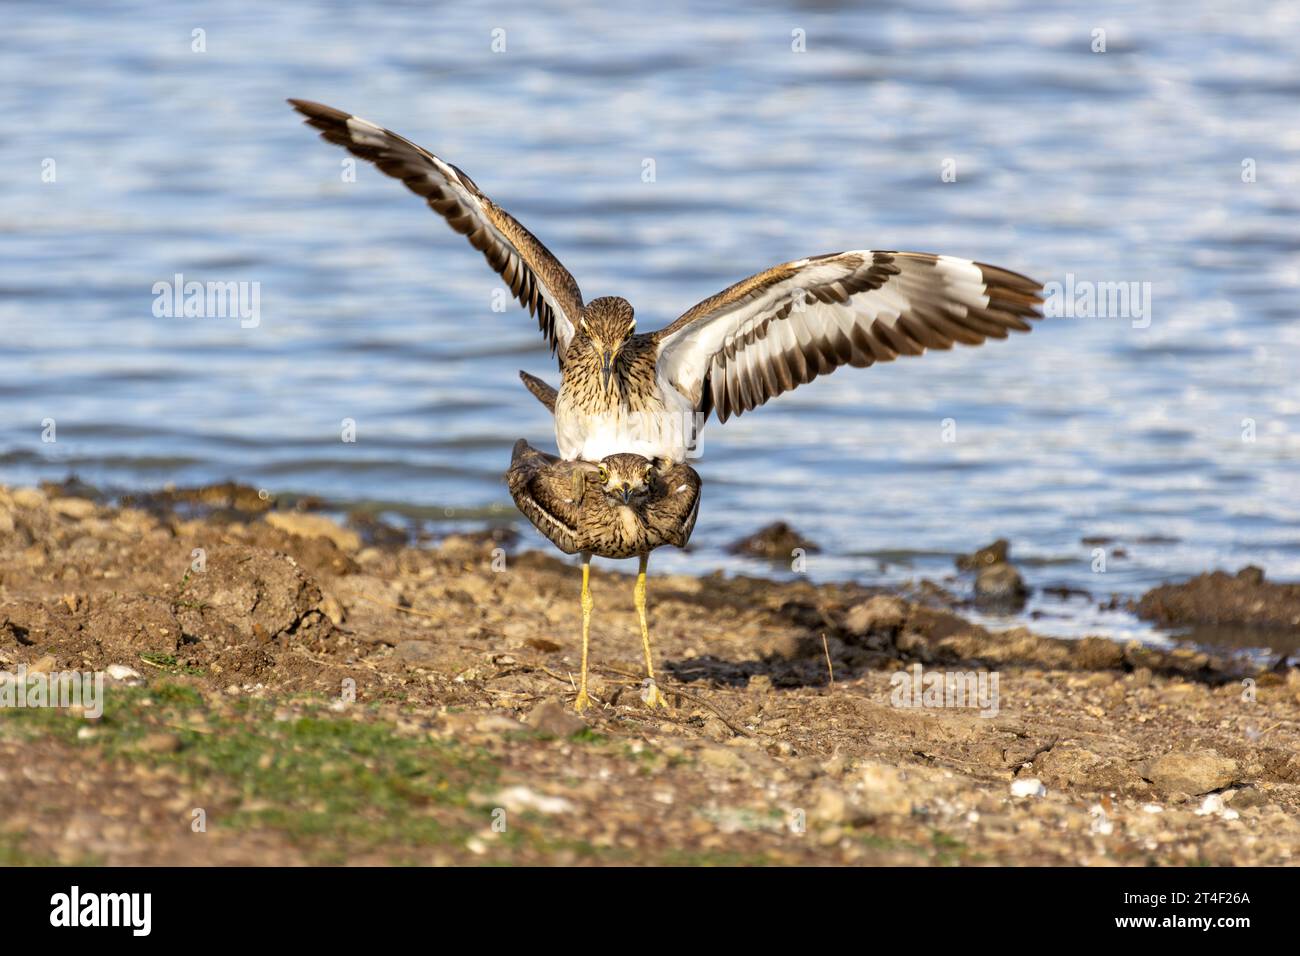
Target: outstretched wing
<point x="534" y="275"/>
<point x="671" y="518"/>
<point x="781" y="328"/>
<point x="549" y="492"/>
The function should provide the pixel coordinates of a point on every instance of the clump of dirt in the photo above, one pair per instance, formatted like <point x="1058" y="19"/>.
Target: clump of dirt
<point x="774" y="542"/>
<point x="998" y="584"/>
<point x="321" y="698"/>
<point x="1220" y="598"/>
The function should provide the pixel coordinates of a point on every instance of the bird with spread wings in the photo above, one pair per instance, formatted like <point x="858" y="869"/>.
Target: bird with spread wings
<point x="649" y="393"/>
<point x="637" y="400"/>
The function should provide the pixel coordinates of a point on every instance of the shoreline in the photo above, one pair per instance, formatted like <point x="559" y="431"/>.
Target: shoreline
<point x="1155" y="617"/>
<point x="275" y="657"/>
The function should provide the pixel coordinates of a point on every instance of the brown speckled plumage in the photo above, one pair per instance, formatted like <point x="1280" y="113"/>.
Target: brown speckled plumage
<point x="606" y="328"/>
<point x="571" y="504"/>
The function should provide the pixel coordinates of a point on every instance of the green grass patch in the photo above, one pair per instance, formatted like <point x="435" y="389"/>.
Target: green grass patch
<point x="328" y="782"/>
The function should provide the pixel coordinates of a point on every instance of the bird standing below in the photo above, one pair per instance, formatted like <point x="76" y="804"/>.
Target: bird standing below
<point x="650" y="393"/>
<point x="624" y="506"/>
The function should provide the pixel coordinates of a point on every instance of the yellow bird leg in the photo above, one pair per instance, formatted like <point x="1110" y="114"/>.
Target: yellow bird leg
<point x="583" y="701"/>
<point x="652" y="695"/>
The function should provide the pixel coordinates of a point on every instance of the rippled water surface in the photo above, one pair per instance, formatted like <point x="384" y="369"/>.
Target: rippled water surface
<point x="1118" y="166"/>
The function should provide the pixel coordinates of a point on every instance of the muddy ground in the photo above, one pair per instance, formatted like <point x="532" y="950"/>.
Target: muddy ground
<point x="287" y="690"/>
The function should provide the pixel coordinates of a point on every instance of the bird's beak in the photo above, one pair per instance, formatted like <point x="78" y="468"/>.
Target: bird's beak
<point x="626" y="492"/>
<point x="606" y="366"/>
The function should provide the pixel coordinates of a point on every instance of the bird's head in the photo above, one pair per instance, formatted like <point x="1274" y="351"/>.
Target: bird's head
<point x="626" y="478"/>
<point x="605" y="326"/>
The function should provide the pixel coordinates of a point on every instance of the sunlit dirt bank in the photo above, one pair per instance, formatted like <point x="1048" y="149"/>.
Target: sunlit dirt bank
<point x="279" y="688"/>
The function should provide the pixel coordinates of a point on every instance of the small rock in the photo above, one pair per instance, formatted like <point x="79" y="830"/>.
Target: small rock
<point x="831" y="807"/>
<point x="417" y="652"/>
<point x="43" y="665"/>
<point x="1212" y="804"/>
<point x="28" y="497"/>
<point x="122" y="672"/>
<point x="520" y="798"/>
<point x="1191" y="773"/>
<point x="333" y="609"/>
<point x="1028" y="787"/>
<point x="996" y="553"/>
<point x="159" y="743"/>
<point x="722" y="758"/>
<point x="1251" y="574"/>
<point x="880" y="614"/>
<point x="884" y="792"/>
<point x="75" y="508"/>
<point x="552" y="717"/>
<point x="910" y="642"/>
<point x="775" y="542"/>
<point x="1098" y="654"/>
<point x="1000" y="584"/>
<point x="1245" y="797"/>
<point x="715" y="729"/>
<point x="314" y="526"/>
<point x="496" y="724"/>
<point x="785" y="646"/>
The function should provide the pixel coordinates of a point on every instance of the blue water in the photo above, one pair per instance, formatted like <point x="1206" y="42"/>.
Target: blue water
<point x="1117" y="166"/>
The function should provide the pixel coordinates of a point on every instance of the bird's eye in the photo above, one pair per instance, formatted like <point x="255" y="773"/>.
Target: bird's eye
<point x="604" y="473"/>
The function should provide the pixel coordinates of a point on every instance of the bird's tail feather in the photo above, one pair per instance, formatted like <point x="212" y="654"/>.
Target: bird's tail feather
<point x="541" y="391"/>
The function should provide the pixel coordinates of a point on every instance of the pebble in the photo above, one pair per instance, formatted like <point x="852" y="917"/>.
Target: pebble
<point x="76" y="508"/>
<point x="760" y="684"/>
<point x="1000" y="584"/>
<point x="159" y="744"/>
<point x="884" y="792"/>
<point x="28" y="497"/>
<point x="999" y="552"/>
<point x="715" y="729"/>
<point x="122" y="672"/>
<point x="1213" y="805"/>
<point x="552" y="717"/>
<point x="520" y="798"/>
<point x="314" y="526"/>
<point x="417" y="652"/>
<point x="880" y="614"/>
<point x="1101" y="824"/>
<point x="1028" y="787"/>
<point x="496" y="724"/>
<point x="723" y="758"/>
<point x="1192" y="773"/>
